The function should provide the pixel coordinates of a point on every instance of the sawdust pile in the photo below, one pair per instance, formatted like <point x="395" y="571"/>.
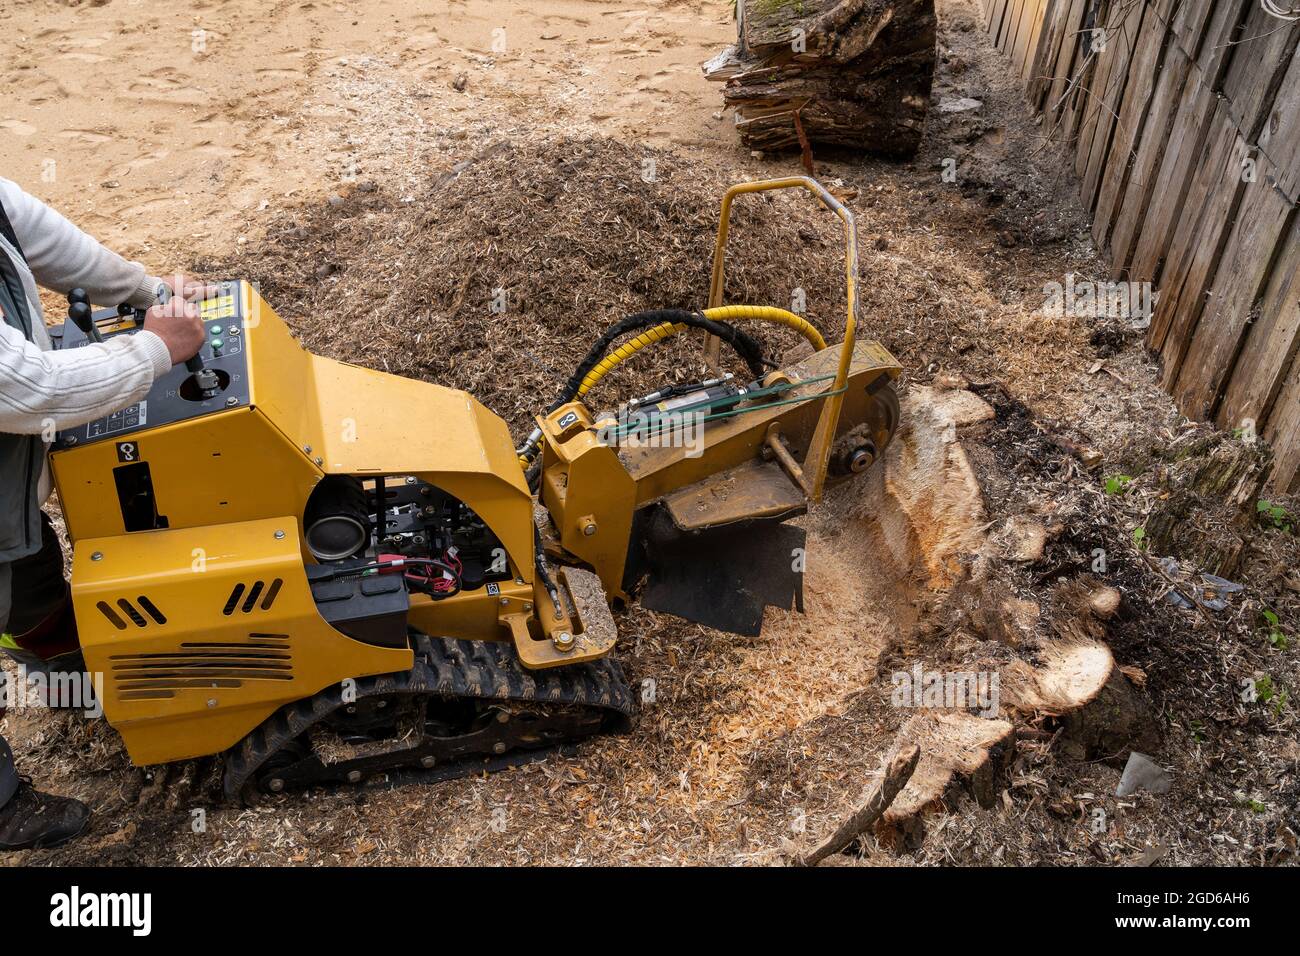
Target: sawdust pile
<point x="497" y="277"/>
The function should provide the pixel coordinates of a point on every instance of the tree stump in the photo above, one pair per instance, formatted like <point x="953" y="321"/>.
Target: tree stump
<point x="852" y="73"/>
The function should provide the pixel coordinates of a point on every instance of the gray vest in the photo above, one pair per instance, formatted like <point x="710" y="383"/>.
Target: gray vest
<point x="21" y="456"/>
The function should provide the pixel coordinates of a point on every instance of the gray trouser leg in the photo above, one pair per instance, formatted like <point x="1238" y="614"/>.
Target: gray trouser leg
<point x="8" y="774"/>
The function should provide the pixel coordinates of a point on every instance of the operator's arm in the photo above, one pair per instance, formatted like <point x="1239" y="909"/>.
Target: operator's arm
<point x="63" y="257"/>
<point x="42" y="391"/>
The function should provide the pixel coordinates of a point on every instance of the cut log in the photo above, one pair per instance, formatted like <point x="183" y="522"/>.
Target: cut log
<point x="852" y="73"/>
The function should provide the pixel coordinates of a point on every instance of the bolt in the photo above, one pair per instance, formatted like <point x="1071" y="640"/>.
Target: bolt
<point x="528" y="605"/>
<point x="519" y="580"/>
<point x="307" y="449"/>
<point x="563" y="641"/>
<point x="427" y="762"/>
<point x="97" y="556"/>
<point x="231" y="401"/>
<point x="499" y="747"/>
<point x="233" y="330"/>
<point x="354" y="776"/>
<point x="279" y="535"/>
<point x="212" y="702"/>
<point x="70" y="440"/>
<point x="410" y="479"/>
<point x="319" y="461"/>
<point x="505" y="602"/>
<point x="275" y="785"/>
<point x="861" y="460"/>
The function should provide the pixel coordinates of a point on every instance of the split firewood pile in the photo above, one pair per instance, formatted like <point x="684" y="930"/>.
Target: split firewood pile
<point x="853" y="73"/>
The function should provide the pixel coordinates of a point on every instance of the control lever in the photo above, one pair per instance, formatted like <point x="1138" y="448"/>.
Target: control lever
<point x="205" y="379"/>
<point x="79" y="312"/>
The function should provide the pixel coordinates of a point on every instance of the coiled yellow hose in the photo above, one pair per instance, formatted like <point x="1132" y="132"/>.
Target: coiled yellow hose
<point x="760" y="313"/>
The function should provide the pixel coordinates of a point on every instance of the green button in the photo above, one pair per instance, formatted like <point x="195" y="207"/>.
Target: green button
<point x="216" y="330"/>
<point x="216" y="343"/>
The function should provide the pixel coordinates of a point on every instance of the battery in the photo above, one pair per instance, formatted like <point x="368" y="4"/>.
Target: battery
<point x="371" y="608"/>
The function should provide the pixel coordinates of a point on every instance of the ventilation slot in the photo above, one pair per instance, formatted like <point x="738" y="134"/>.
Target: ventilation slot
<point x="233" y="600"/>
<point x="136" y="617"/>
<point x="158" y="676"/>
<point x="109" y="613"/>
<point x="258" y="589"/>
<point x="253" y="594"/>
<point x="151" y="609"/>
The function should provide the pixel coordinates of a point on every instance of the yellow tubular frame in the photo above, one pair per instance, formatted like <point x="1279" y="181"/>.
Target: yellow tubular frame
<point x="762" y="313"/>
<point x="819" y="451"/>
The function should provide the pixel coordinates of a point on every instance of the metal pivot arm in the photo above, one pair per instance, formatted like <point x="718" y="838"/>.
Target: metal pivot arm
<point x="818" y="457"/>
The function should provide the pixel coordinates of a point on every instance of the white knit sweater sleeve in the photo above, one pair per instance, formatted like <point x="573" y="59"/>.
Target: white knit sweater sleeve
<point x="63" y="257"/>
<point x="43" y="391"/>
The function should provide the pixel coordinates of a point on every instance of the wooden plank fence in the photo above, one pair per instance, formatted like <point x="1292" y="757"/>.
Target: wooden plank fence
<point x="1184" y="121"/>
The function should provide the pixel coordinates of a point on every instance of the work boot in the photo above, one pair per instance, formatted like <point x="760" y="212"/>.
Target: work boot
<point x="35" y="820"/>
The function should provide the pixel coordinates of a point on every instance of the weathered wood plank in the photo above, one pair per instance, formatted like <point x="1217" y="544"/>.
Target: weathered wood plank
<point x="1083" y="74"/>
<point x="1124" y="38"/>
<point x="1259" y="59"/>
<point x="1140" y="193"/>
<point x="1065" y="59"/>
<point x="1280" y="137"/>
<point x="1144" y="76"/>
<point x="1196" y="109"/>
<point x="1271" y="343"/>
<point x="1216" y="47"/>
<point x="1039" y="79"/>
<point x="1007" y="25"/>
<point x="1091" y="103"/>
<point x="1032" y="42"/>
<point x="1241" y="276"/>
<point x="1189" y="23"/>
<point x="1019" y="46"/>
<point x="1283" y="432"/>
<point x="997" y="10"/>
<point x="1165" y="10"/>
<point x="1214" y="194"/>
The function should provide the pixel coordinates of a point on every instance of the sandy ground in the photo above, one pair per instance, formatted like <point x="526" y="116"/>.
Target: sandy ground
<point x="190" y="132"/>
<point x="169" y="125"/>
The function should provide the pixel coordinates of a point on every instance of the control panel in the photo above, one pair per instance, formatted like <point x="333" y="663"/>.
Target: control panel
<point x="215" y="380"/>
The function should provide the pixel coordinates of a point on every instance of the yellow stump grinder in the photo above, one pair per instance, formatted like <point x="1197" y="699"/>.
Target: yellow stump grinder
<point x="272" y="566"/>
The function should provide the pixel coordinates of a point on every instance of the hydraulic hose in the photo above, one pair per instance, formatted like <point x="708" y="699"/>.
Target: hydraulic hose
<point x="724" y="313"/>
<point x="660" y="324"/>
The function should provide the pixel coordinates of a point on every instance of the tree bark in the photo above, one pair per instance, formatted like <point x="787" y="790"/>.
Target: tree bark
<point x="856" y="72"/>
<point x="897" y="774"/>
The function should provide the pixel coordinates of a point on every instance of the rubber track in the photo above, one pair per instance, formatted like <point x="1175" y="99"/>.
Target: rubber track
<point x="444" y="667"/>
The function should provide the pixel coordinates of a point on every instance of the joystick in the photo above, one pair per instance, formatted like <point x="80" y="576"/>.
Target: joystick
<point x="80" y="313"/>
<point x="203" y="381"/>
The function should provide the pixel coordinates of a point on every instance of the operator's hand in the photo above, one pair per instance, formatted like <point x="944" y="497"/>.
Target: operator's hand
<point x="177" y="323"/>
<point x="189" y="288"/>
